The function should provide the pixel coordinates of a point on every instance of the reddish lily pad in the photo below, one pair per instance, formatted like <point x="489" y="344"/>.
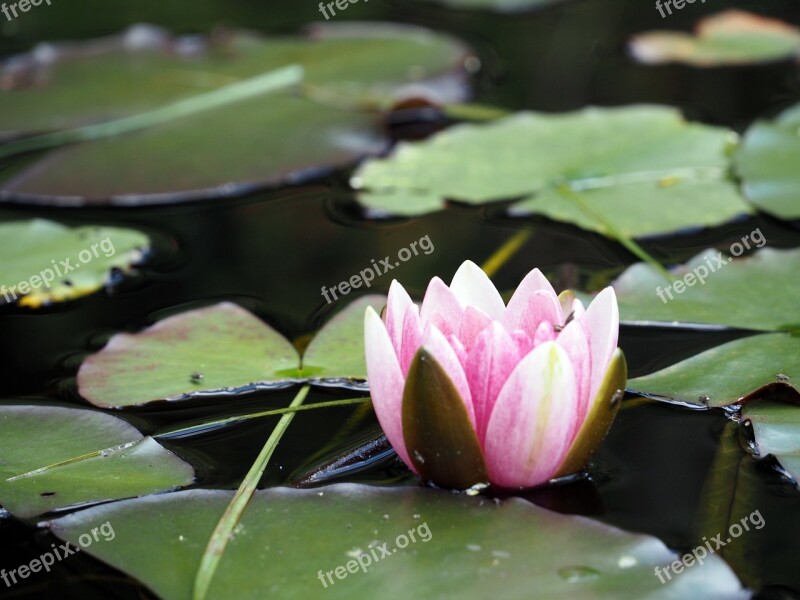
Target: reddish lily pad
<point x="733" y="37"/>
<point x="222" y="348"/>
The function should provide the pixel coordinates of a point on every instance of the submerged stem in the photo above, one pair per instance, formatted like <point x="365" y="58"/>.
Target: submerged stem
<point x="188" y="430"/>
<point x="503" y="254"/>
<point x="233" y="513"/>
<point x="566" y="191"/>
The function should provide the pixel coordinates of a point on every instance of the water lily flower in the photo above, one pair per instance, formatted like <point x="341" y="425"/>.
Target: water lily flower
<point x="469" y="390"/>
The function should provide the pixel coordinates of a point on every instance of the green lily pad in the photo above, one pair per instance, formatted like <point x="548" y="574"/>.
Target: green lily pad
<point x="117" y="460"/>
<point x="498" y="5"/>
<point x="337" y="350"/>
<point x="733" y="293"/>
<point x="643" y="168"/>
<point x="478" y="548"/>
<point x="46" y="262"/>
<point x="732" y="37"/>
<point x="726" y="374"/>
<point x="222" y="348"/>
<point x="347" y="69"/>
<point x="776" y="426"/>
<point x="767" y="163"/>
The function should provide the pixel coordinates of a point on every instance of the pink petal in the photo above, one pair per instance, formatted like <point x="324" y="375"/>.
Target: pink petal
<point x="460" y="351"/>
<point x="529" y="428"/>
<point x="436" y="343"/>
<point x="533" y="282"/>
<point x="386" y="381"/>
<point x="542" y="308"/>
<point x="397" y="303"/>
<point x="523" y="341"/>
<point x="412" y="337"/>
<point x="601" y="324"/>
<point x="573" y="340"/>
<point x="473" y="322"/>
<point x="544" y="333"/>
<point x="441" y="307"/>
<point x="474" y="288"/>
<point x="488" y="366"/>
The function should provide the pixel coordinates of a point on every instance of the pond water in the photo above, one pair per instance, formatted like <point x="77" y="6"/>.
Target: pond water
<point x="273" y="251"/>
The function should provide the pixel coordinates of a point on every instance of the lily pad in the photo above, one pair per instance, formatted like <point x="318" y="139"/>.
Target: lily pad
<point x="767" y="162"/>
<point x="732" y="37"/>
<point x="347" y="68"/>
<point x="503" y="6"/>
<point x="478" y="548"/>
<point x="643" y="168"/>
<point x="758" y="292"/>
<point x="776" y="426"/>
<point x="39" y="452"/>
<point x="46" y="262"/>
<point x="222" y="348"/>
<point x="728" y="373"/>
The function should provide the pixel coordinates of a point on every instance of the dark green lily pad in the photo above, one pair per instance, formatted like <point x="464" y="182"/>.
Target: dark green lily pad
<point x="44" y="261"/>
<point x="767" y="162"/>
<point x="732" y="37"/>
<point x="776" y="426"/>
<point x="347" y="68"/>
<point x="758" y="292"/>
<point x="726" y="374"/>
<point x="118" y="461"/>
<point x="478" y="547"/>
<point x="222" y="348"/>
<point x="643" y="168"/>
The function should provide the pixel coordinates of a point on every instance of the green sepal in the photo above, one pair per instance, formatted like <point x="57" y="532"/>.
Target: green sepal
<point x="439" y="436"/>
<point x="602" y="411"/>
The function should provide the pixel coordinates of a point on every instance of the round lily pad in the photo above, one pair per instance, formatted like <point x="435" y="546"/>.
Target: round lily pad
<point x="45" y="261"/>
<point x="348" y="70"/>
<point x="419" y="543"/>
<point x="644" y="168"/>
<point x="733" y="37"/>
<point x="221" y="348"/>
<point x="767" y="163"/>
<point x="54" y="458"/>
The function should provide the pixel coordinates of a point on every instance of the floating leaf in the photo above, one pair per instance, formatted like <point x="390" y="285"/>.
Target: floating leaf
<point x="776" y="426"/>
<point x="347" y="68"/>
<point x="643" y="167"/>
<point x="337" y="350"/>
<point x="221" y="348"/>
<point x="726" y="374"/>
<point x="732" y="37"/>
<point x="46" y="262"/>
<point x="732" y="292"/>
<point x="53" y="458"/>
<point x="767" y="162"/>
<point x="477" y="548"/>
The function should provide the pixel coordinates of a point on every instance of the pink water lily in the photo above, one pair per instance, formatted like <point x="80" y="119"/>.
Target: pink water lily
<point x="469" y="390"/>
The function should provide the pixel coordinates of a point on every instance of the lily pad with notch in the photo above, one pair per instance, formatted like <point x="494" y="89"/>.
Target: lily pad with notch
<point x="221" y="349"/>
<point x="643" y="168"/>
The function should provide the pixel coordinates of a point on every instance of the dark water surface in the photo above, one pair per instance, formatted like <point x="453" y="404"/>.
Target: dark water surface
<point x="273" y="251"/>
